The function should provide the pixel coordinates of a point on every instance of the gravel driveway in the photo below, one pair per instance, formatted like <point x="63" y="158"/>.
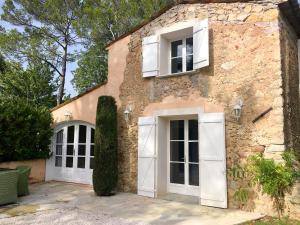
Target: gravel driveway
<point x="68" y="204"/>
<point x="66" y="216"/>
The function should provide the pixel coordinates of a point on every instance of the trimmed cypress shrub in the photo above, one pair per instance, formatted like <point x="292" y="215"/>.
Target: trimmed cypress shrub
<point x="105" y="173"/>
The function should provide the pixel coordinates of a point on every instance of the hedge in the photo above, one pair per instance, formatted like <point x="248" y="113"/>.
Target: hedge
<point x="105" y="173"/>
<point x="25" y="130"/>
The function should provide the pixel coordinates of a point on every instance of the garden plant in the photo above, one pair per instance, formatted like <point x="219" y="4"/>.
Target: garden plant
<point x="275" y="179"/>
<point x="105" y="174"/>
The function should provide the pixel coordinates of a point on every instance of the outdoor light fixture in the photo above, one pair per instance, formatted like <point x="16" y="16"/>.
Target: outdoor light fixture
<point x="68" y="115"/>
<point x="127" y="112"/>
<point x="237" y="109"/>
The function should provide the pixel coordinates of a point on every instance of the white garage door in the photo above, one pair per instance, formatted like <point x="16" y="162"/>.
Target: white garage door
<point x="72" y="157"/>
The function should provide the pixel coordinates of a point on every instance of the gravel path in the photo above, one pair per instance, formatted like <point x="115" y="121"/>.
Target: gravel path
<point x="66" y="217"/>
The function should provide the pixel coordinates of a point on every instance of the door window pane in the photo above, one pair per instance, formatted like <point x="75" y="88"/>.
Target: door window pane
<point x="92" y="135"/>
<point x="70" y="134"/>
<point x="177" y="129"/>
<point x="70" y="149"/>
<point x="81" y="149"/>
<point x="59" y="136"/>
<point x="193" y="152"/>
<point x="177" y="173"/>
<point x="58" y="150"/>
<point x="58" y="161"/>
<point x="69" y="162"/>
<point x="82" y="134"/>
<point x="81" y="162"/>
<point x="177" y="151"/>
<point x="92" y="150"/>
<point x="193" y="130"/>
<point x="91" y="163"/>
<point x="194" y="174"/>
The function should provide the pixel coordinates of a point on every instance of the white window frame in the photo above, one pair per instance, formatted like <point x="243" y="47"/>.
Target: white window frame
<point x="183" y="56"/>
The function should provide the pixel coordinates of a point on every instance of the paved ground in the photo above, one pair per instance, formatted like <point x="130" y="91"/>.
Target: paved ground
<point x="68" y="204"/>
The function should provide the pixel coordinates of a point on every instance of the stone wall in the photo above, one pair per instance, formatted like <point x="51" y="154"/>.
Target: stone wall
<point x="291" y="106"/>
<point x="290" y="77"/>
<point x="245" y="62"/>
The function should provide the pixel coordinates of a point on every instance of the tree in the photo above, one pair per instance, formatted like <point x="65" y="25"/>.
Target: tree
<point x="103" y="21"/>
<point x="34" y="85"/>
<point x="45" y="33"/>
<point x="2" y="64"/>
<point x="105" y="173"/>
<point x="92" y="68"/>
<point x="25" y="130"/>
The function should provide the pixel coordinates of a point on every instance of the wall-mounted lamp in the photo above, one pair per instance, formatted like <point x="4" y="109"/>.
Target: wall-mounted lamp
<point x="237" y="109"/>
<point x="127" y="112"/>
<point x="68" y="115"/>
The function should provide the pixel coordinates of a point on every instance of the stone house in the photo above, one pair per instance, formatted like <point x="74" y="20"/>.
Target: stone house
<point x="200" y="86"/>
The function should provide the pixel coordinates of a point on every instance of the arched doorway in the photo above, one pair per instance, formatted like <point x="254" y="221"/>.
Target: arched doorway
<point x="72" y="158"/>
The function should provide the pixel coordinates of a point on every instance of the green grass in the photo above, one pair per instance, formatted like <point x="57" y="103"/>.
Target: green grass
<point x="273" y="221"/>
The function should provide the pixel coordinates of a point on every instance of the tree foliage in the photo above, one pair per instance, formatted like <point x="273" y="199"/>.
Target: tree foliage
<point x="45" y="33"/>
<point x="25" y="130"/>
<point x="33" y="85"/>
<point x="92" y="68"/>
<point x="50" y="30"/>
<point x="105" y="173"/>
<point x="103" y="21"/>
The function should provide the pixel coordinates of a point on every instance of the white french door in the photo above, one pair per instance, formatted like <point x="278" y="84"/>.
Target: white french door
<point x="183" y="157"/>
<point x="73" y="153"/>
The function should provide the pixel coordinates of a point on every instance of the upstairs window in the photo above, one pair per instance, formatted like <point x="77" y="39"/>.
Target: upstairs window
<point x="182" y="55"/>
<point x="182" y="48"/>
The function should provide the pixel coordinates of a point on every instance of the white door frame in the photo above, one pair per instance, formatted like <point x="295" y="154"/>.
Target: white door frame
<point x="166" y="114"/>
<point x="185" y="188"/>
<point x="70" y="174"/>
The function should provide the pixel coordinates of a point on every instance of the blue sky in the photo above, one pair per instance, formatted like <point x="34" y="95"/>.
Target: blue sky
<point x="70" y="67"/>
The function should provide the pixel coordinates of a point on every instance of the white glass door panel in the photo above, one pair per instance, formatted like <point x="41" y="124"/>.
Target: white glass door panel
<point x="73" y="153"/>
<point x="183" y="169"/>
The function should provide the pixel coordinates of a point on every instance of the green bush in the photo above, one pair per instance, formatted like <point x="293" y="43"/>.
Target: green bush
<point x="275" y="179"/>
<point x="25" y="130"/>
<point x="105" y="174"/>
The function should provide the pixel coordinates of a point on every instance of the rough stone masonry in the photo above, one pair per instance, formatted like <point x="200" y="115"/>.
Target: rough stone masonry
<point x="253" y="54"/>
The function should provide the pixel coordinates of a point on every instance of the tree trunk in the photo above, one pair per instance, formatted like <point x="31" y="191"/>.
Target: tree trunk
<point x="62" y="77"/>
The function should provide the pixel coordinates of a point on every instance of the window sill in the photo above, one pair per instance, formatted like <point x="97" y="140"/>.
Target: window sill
<point x="192" y="72"/>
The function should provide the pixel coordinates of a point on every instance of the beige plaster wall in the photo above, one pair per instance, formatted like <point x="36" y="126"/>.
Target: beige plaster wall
<point x="38" y="168"/>
<point x="84" y="108"/>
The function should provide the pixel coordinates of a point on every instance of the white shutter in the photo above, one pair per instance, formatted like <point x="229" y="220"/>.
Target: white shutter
<point x="146" y="157"/>
<point x="212" y="160"/>
<point x="201" y="44"/>
<point x="150" y="56"/>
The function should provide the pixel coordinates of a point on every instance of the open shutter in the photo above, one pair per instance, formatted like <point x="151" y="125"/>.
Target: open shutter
<point x="150" y="56"/>
<point x="212" y="159"/>
<point x="146" y="157"/>
<point x="201" y="44"/>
